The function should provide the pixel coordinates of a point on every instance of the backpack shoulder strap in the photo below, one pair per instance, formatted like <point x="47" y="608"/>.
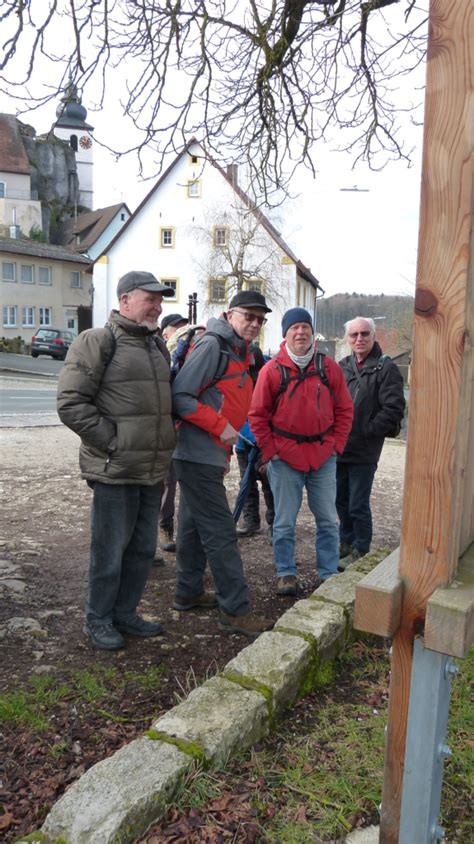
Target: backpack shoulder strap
<point x="113" y="345"/>
<point x="224" y="357"/>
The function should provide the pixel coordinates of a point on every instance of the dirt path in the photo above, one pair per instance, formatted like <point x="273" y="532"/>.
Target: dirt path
<point x="43" y="566"/>
<point x="44" y="551"/>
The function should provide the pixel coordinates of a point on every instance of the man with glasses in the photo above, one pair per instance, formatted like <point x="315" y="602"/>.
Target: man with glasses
<point x="212" y="403"/>
<point x="376" y="387"/>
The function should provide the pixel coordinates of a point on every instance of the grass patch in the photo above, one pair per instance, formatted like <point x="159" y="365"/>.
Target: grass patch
<point x="31" y="707"/>
<point x="321" y="773"/>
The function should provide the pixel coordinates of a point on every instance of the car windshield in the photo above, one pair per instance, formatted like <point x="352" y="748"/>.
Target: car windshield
<point x="46" y="334"/>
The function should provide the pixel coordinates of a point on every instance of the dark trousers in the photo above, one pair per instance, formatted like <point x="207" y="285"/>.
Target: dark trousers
<point x="251" y="508"/>
<point x="354" y="485"/>
<point x="167" y="500"/>
<point x="206" y="532"/>
<point x="123" y="542"/>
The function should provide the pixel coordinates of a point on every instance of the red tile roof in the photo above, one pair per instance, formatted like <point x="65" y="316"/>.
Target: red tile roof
<point x="13" y="157"/>
<point x="88" y="227"/>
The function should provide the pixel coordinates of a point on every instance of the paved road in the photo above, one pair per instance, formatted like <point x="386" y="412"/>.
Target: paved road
<point x="43" y="365"/>
<point x="28" y="391"/>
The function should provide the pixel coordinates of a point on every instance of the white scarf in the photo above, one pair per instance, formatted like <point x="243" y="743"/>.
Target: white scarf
<point x="301" y="360"/>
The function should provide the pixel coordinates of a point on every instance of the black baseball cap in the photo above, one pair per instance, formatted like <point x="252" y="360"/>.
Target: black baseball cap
<point x="173" y="319"/>
<point x="249" y="299"/>
<point x="138" y="280"/>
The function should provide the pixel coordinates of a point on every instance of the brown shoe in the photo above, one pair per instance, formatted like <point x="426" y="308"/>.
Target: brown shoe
<point x="206" y="601"/>
<point x="249" y="625"/>
<point x="286" y="585"/>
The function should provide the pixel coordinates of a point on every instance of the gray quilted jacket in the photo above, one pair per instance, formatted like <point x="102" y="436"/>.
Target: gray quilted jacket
<point x="114" y="392"/>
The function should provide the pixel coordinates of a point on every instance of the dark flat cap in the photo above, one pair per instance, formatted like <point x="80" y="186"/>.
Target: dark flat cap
<point x="138" y="280"/>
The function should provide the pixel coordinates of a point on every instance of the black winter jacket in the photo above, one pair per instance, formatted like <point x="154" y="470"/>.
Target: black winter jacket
<point x="379" y="404"/>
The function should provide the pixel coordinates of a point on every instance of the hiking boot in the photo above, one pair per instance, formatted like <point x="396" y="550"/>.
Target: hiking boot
<point x="349" y="560"/>
<point x="104" y="636"/>
<point x="248" y="625"/>
<point x="344" y="549"/>
<point x="206" y="601"/>
<point x="135" y="625"/>
<point x="248" y="530"/>
<point x="286" y="585"/>
<point x="167" y="542"/>
<point x="158" y="562"/>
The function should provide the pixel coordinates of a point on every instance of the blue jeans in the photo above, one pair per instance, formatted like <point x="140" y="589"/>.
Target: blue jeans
<point x="287" y="486"/>
<point x="123" y="543"/>
<point x="354" y="485"/>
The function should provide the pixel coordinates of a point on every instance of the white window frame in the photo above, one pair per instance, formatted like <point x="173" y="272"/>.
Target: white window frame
<point x="3" y="189"/>
<point x="221" y="242"/>
<point x="215" y="300"/>
<point x="45" y="317"/>
<point x="9" y="316"/>
<point x="13" y="265"/>
<point x="28" y="316"/>
<point x="27" y="267"/>
<point x="194" y="188"/>
<point x="48" y="270"/>
<point x="171" y="282"/>
<point x="76" y="274"/>
<point x="164" y="232"/>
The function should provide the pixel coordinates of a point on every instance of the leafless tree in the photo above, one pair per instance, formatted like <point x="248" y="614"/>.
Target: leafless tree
<point x="234" y="247"/>
<point x="258" y="82"/>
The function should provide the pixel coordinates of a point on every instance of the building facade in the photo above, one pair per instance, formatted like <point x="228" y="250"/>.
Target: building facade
<point x="199" y="233"/>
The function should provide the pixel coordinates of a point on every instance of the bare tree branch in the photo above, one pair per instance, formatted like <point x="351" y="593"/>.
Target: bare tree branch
<point x="260" y="83"/>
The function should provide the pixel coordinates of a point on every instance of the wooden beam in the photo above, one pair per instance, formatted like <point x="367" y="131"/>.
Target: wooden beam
<point x="378" y="602"/>
<point x="449" y="626"/>
<point x="437" y="522"/>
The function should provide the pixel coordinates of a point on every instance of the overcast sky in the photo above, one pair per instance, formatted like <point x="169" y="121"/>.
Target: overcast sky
<point x="361" y="240"/>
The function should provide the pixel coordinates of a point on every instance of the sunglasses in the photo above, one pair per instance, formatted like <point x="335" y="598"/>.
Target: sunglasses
<point x="251" y="317"/>
<point x="355" y="334"/>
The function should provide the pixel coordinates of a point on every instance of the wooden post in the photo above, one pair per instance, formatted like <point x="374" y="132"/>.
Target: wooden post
<point x="438" y="511"/>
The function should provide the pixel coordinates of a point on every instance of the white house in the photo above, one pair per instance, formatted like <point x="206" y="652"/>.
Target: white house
<point x="91" y="232"/>
<point x="198" y="232"/>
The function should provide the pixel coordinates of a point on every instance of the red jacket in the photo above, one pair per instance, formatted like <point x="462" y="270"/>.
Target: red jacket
<point x="312" y="409"/>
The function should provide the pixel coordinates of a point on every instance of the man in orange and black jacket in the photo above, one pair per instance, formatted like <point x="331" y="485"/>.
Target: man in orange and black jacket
<point x="211" y="409"/>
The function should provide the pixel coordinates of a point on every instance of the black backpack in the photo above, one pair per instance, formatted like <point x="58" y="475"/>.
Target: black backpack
<point x="286" y="378"/>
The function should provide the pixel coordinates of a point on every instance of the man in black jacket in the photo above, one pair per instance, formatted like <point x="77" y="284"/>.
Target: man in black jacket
<point x="376" y="387"/>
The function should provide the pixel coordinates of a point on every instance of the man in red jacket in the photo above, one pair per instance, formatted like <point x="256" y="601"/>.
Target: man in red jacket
<point x="301" y="415"/>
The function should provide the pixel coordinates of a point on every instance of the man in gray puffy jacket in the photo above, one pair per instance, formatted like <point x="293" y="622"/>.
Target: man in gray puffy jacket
<point x="114" y="392"/>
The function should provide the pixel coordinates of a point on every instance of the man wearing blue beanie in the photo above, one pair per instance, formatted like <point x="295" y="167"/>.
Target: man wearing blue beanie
<point x="301" y="415"/>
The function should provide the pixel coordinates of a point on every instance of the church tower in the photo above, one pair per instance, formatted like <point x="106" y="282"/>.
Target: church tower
<point x="71" y="127"/>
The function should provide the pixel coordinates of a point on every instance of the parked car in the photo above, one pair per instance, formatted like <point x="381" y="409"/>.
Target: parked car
<point x="51" y="341"/>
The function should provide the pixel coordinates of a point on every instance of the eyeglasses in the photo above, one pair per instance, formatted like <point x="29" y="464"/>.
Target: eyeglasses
<point x="355" y="334"/>
<point x="250" y="317"/>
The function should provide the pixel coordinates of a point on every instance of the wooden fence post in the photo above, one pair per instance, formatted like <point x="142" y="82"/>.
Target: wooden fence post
<point x="438" y="509"/>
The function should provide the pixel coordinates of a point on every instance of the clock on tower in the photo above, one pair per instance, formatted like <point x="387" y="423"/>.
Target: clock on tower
<point x="85" y="142"/>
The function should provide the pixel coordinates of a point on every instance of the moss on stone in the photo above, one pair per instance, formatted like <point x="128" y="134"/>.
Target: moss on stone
<point x="251" y="685"/>
<point x="35" y="837"/>
<point x="191" y="748"/>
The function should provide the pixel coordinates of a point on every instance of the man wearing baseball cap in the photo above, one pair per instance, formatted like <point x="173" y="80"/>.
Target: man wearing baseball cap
<point x="212" y="403"/>
<point x="301" y="415"/>
<point x="114" y="392"/>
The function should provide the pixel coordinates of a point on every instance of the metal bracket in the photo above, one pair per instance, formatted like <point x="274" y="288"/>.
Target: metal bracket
<point x="426" y="750"/>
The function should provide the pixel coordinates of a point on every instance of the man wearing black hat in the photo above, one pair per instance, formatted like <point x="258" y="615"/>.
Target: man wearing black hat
<point x="212" y="403"/>
<point x="170" y="323"/>
<point x="301" y="415"/>
<point x="114" y="392"/>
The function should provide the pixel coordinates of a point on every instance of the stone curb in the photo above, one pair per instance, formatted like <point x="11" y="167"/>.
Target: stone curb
<point x="117" y="799"/>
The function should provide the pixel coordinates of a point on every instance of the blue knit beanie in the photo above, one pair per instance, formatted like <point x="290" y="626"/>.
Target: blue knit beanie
<point x="295" y="315"/>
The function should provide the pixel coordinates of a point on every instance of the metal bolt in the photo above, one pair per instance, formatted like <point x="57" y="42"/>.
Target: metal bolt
<point x="451" y="668"/>
<point x="438" y="833"/>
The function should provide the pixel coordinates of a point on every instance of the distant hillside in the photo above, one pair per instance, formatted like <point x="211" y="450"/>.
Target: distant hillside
<point x="387" y="311"/>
